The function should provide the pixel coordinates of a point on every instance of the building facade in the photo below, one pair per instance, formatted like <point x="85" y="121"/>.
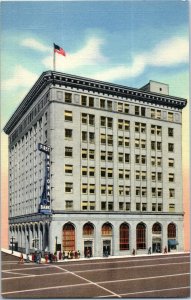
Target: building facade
<point x="96" y="167"/>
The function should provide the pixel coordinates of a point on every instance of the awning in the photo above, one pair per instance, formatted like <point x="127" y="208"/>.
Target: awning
<point x="172" y="242"/>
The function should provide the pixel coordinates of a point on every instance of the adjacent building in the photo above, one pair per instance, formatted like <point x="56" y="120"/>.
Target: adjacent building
<point x="96" y="167"/>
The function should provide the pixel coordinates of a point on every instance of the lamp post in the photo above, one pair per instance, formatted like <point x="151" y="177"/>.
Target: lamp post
<point x="12" y="238"/>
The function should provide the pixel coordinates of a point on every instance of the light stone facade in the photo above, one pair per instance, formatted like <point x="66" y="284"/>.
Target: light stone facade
<point x="116" y="159"/>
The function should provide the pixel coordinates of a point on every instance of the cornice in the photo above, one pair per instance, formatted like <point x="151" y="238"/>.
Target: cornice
<point x="62" y="79"/>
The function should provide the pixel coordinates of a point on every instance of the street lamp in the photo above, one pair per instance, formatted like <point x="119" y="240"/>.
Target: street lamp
<point x="12" y="238"/>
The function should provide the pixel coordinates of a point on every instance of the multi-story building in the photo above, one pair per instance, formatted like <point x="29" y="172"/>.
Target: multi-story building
<point x="96" y="166"/>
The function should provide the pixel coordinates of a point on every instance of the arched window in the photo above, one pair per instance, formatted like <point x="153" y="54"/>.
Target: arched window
<point x="124" y="237"/>
<point x="141" y="236"/>
<point x="106" y="229"/>
<point x="171" y="231"/>
<point x="156" y="229"/>
<point x="88" y="229"/>
<point x="68" y="237"/>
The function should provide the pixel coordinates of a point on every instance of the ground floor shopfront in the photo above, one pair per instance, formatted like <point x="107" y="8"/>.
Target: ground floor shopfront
<point x="98" y="234"/>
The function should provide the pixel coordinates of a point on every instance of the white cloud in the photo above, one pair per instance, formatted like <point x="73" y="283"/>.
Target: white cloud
<point x="35" y="45"/>
<point x="170" y="52"/>
<point x="167" y="53"/>
<point x="90" y="54"/>
<point x="21" y="78"/>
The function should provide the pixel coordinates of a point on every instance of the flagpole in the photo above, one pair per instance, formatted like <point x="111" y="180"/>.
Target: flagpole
<point x="54" y="59"/>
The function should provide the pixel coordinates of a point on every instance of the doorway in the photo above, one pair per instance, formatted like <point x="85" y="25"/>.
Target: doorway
<point x="88" y="248"/>
<point x="156" y="246"/>
<point x="106" y="247"/>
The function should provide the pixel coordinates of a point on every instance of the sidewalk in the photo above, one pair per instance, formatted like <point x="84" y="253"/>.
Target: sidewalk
<point x="17" y="254"/>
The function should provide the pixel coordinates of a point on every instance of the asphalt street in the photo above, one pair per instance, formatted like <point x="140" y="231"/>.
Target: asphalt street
<point x="165" y="275"/>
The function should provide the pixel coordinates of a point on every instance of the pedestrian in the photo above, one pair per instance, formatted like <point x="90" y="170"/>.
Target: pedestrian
<point x="149" y="251"/>
<point x="60" y="255"/>
<point x="21" y="260"/>
<point x="133" y="252"/>
<point x="46" y="258"/>
<point x="165" y="249"/>
<point x="50" y="257"/>
<point x="78" y="253"/>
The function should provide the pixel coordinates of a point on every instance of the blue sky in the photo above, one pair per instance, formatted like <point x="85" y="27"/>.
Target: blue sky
<point x="125" y="42"/>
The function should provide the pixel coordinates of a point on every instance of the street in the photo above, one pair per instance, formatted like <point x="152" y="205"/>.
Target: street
<point x="121" y="277"/>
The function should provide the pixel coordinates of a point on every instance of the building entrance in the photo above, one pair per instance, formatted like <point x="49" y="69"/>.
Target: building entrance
<point x="88" y="246"/>
<point x="156" y="247"/>
<point x="106" y="247"/>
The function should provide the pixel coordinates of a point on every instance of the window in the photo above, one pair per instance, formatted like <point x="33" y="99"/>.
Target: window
<point x="137" y="191"/>
<point x="110" y="173"/>
<point x="144" y="191"/>
<point x="68" y="151"/>
<point x="121" y="190"/>
<point x="88" y="229"/>
<point x="110" y="190"/>
<point x="127" y="125"/>
<point x="158" y="114"/>
<point x="103" y="172"/>
<point x="68" y="237"/>
<point x="68" y="134"/>
<point x="110" y="156"/>
<point x="127" y="174"/>
<point x="144" y="175"/>
<point x="103" y="155"/>
<point x="68" y="97"/>
<point x="84" y="205"/>
<point x="109" y="123"/>
<point x="137" y="110"/>
<point x="171" y="162"/>
<point x="68" y="187"/>
<point x="68" y="169"/>
<point x="92" y="189"/>
<point x="84" y="118"/>
<point x="171" y="207"/>
<point x="84" y="171"/>
<point x="137" y="126"/>
<point x="91" y="171"/>
<point x="138" y="206"/>
<point x="137" y="159"/>
<point x="127" y="190"/>
<point x="120" y="107"/>
<point x="109" y="105"/>
<point x="159" y="206"/>
<point x="171" y="230"/>
<point x="84" y="153"/>
<point x="143" y="111"/>
<point x="68" y="115"/>
<point x="120" y="157"/>
<point x="91" y="120"/>
<point x="103" y="205"/>
<point x="153" y="145"/>
<point x="171" y="177"/>
<point x="103" y="189"/>
<point x="120" y="173"/>
<point x="156" y="229"/>
<point x="144" y="206"/>
<point x="152" y="113"/>
<point x="159" y="146"/>
<point x="120" y="124"/>
<point x="103" y="138"/>
<point x="170" y="147"/>
<point x="91" y="154"/>
<point x="159" y="161"/>
<point x="159" y="176"/>
<point x="110" y="140"/>
<point x="137" y="143"/>
<point x="91" y="137"/>
<point x="91" y="102"/>
<point x="84" y="136"/>
<point x="154" y="192"/>
<point x="84" y="100"/>
<point x="154" y="207"/>
<point x="171" y="193"/>
<point x="106" y="229"/>
<point x="126" y="141"/>
<point x="69" y="205"/>
<point x="127" y="206"/>
<point x="84" y="188"/>
<point x="121" y="205"/>
<point x="126" y="108"/>
<point x="137" y="175"/>
<point x="141" y="236"/>
<point x="171" y="132"/>
<point x="127" y="157"/>
<point x="159" y="193"/>
<point x="103" y="121"/>
<point x="102" y="103"/>
<point x="124" y="237"/>
<point x="143" y="144"/>
<point x="120" y="141"/>
<point x="170" y="116"/>
<point x="153" y="161"/>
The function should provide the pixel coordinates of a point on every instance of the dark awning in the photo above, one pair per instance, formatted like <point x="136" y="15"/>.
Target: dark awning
<point x="172" y="242"/>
